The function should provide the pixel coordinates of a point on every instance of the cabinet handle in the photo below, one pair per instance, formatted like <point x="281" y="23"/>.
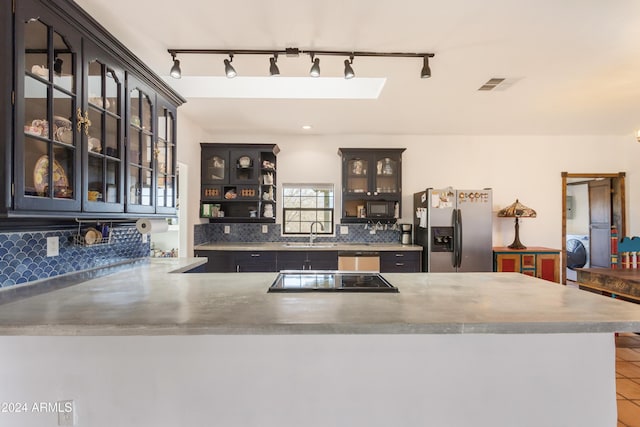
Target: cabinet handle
<point x="83" y="121"/>
<point x="399" y="264"/>
<point x="399" y="255"/>
<point x="237" y="269"/>
<point x="80" y="119"/>
<point x="255" y="255"/>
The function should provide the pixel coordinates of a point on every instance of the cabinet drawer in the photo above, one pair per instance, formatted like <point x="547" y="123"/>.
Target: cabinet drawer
<point x="400" y="261"/>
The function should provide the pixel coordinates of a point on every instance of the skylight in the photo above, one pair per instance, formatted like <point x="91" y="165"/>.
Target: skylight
<point x="278" y="87"/>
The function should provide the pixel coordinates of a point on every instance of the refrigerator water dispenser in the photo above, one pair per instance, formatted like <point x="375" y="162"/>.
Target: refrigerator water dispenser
<point x="442" y="239"/>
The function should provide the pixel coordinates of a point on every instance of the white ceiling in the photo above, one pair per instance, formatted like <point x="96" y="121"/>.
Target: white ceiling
<point x="575" y="64"/>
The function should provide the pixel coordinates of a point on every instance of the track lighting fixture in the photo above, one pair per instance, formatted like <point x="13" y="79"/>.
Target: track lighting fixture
<point x="348" y="70"/>
<point x="315" y="68"/>
<point x="295" y="52"/>
<point x="273" y="68"/>
<point x="426" y="70"/>
<point x="175" y="72"/>
<point x="228" y="68"/>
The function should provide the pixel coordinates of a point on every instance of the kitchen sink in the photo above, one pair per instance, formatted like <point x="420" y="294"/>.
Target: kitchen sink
<point x="309" y="245"/>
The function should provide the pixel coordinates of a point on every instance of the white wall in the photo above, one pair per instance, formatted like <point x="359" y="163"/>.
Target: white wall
<point x="579" y="224"/>
<point x="515" y="166"/>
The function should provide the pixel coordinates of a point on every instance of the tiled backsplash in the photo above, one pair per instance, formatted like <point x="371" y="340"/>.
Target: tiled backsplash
<point x="23" y="256"/>
<point x="214" y="232"/>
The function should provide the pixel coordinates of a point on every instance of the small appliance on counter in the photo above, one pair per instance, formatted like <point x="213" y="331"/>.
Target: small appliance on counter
<point x="405" y="234"/>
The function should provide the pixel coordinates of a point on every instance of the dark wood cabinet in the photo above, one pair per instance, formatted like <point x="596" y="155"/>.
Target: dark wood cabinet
<point x="91" y="130"/>
<point x="307" y="260"/>
<point x="400" y="262"/>
<point x="267" y="261"/>
<point x="238" y="182"/>
<point x="370" y="175"/>
<point x="238" y="261"/>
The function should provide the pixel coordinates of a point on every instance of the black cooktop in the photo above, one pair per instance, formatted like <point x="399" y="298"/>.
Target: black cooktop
<point x="330" y="281"/>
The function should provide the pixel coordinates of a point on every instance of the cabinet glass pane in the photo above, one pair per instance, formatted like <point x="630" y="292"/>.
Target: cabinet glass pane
<point x="386" y="175"/>
<point x="140" y="190"/>
<point x="95" y="178"/>
<point x="134" y="107"/>
<point x="170" y="185"/>
<point x="111" y="136"/>
<point x="170" y="121"/>
<point x="112" y="88"/>
<point x="357" y="170"/>
<point x="113" y="182"/>
<point x="63" y="75"/>
<point x="147" y="151"/>
<point x="215" y="168"/>
<point x="169" y="164"/>
<point x="63" y="162"/>
<point x="36" y="168"/>
<point x="134" y="146"/>
<point x="36" y="57"/>
<point x="161" y="190"/>
<point x="146" y="187"/>
<point x="95" y="95"/>
<point x="62" y="118"/>
<point x="145" y="118"/>
<point x="161" y="132"/>
<point x="35" y="107"/>
<point x="135" y="190"/>
<point x="95" y="130"/>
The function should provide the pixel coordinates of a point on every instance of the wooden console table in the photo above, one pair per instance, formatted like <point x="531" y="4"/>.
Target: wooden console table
<point x="623" y="282"/>
<point x="534" y="261"/>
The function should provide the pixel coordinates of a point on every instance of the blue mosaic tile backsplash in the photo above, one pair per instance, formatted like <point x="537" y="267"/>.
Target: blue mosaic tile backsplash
<point x="23" y="256"/>
<point x="214" y="232"/>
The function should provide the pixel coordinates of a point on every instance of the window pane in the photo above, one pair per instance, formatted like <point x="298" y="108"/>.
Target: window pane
<point x="304" y="204"/>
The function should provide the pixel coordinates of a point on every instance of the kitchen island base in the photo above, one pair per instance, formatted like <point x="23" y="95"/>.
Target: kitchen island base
<point x="315" y="380"/>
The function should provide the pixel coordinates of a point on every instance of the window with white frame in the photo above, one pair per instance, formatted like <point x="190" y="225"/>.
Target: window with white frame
<point x="304" y="204"/>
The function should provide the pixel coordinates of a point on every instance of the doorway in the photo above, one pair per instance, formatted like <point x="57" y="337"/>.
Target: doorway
<point x="591" y="204"/>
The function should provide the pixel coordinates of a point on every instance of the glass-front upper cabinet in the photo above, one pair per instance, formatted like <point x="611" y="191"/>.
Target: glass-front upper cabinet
<point x="142" y="150"/>
<point x="357" y="174"/>
<point x="165" y="154"/>
<point x="47" y="80"/>
<point x="103" y="133"/>
<point x="387" y="174"/>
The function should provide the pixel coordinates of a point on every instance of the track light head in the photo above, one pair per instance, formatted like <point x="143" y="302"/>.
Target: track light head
<point x="175" y="72"/>
<point x="273" y="68"/>
<point x="348" y="70"/>
<point x="315" y="68"/>
<point x="228" y="68"/>
<point x="426" y="70"/>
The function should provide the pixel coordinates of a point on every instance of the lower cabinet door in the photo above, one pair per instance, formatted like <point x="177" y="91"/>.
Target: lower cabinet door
<point x="323" y="260"/>
<point x="400" y="262"/>
<point x="254" y="261"/>
<point x="217" y="261"/>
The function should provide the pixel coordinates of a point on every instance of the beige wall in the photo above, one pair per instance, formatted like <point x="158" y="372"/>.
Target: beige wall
<point x="515" y="166"/>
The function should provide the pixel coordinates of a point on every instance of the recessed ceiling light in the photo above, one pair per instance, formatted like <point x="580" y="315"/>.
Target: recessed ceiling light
<point x="306" y="127"/>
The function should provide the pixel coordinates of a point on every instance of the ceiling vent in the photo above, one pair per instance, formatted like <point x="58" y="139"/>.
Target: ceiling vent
<point x="491" y="84"/>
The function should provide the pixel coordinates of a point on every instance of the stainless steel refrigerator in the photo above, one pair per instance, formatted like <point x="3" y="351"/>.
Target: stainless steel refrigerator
<point x="455" y="229"/>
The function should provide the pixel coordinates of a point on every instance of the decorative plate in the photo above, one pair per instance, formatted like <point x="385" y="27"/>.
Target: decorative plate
<point x="92" y="236"/>
<point x="41" y="175"/>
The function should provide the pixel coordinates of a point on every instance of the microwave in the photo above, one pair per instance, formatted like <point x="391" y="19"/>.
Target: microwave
<point x="380" y="209"/>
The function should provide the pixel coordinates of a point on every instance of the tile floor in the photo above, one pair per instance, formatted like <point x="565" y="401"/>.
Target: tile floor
<point x="628" y="379"/>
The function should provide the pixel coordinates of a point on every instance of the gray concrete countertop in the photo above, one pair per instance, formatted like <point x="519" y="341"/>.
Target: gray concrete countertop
<point x="147" y="300"/>
<point x="302" y="246"/>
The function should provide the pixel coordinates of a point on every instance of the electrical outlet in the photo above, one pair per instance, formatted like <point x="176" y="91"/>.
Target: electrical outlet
<point x="265" y="228"/>
<point x="145" y="238"/>
<point x="227" y="229"/>
<point x="53" y="246"/>
<point x="344" y="229"/>
<point x="66" y="413"/>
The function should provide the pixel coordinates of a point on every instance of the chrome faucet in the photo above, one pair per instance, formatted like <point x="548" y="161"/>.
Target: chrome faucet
<point x="311" y="238"/>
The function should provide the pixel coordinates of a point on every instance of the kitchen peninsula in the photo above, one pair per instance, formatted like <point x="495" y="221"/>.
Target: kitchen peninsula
<point x="482" y="349"/>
